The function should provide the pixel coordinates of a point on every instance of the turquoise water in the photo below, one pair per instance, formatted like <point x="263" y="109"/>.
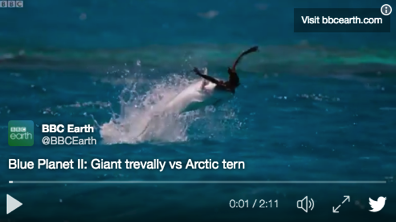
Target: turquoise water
<point x="311" y="107"/>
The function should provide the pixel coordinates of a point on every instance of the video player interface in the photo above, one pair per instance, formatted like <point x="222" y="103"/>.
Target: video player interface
<point x="197" y="111"/>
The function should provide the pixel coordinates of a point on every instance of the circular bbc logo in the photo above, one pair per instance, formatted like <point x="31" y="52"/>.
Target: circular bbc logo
<point x="386" y="9"/>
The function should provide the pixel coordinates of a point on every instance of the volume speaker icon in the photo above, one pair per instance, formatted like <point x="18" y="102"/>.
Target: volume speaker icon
<point x="306" y="204"/>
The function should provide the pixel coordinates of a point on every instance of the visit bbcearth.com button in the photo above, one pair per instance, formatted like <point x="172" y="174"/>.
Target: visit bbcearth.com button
<point x="20" y="133"/>
<point x="342" y="19"/>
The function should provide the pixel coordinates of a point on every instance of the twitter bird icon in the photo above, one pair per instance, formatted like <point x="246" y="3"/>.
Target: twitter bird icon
<point x="377" y="205"/>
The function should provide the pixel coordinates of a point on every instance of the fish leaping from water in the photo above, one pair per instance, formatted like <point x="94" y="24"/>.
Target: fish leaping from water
<point x="209" y="91"/>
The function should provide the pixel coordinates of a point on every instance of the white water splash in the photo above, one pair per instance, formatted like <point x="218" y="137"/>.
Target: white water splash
<point x="140" y="114"/>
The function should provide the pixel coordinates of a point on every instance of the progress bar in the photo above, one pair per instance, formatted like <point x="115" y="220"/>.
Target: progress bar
<point x="197" y="182"/>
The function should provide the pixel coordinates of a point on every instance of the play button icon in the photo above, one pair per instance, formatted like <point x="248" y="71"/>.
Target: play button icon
<point x="12" y="204"/>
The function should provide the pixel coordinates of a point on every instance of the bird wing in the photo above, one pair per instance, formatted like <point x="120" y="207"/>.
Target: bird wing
<point x="253" y="49"/>
<point x="209" y="78"/>
<point x="372" y="202"/>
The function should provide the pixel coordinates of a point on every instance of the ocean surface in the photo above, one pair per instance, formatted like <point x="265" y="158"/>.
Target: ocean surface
<point x="311" y="107"/>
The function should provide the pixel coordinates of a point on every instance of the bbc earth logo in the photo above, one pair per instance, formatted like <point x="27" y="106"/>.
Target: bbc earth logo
<point x="20" y="133"/>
